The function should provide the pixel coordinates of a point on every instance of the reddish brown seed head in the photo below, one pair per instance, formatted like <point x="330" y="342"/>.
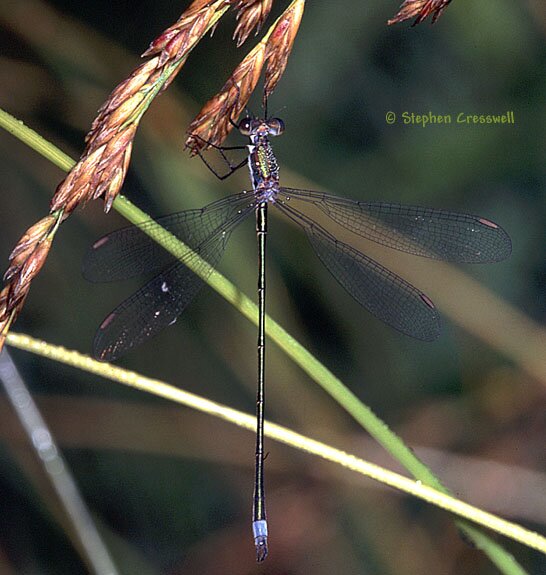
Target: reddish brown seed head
<point x="420" y="10"/>
<point x="218" y="116"/>
<point x="251" y="15"/>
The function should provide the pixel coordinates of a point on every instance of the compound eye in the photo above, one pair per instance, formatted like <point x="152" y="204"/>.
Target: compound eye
<point x="276" y="126"/>
<point x="245" y="126"/>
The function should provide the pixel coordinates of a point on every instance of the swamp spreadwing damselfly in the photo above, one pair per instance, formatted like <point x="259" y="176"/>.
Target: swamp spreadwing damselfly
<point x="421" y="231"/>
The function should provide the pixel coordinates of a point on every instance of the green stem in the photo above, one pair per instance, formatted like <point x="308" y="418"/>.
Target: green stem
<point x="33" y="140"/>
<point x="301" y="356"/>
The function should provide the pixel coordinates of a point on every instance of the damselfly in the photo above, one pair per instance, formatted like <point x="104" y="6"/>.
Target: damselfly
<point x="417" y="230"/>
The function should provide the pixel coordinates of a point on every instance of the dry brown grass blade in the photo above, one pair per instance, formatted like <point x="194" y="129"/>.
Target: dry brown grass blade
<point x="420" y="9"/>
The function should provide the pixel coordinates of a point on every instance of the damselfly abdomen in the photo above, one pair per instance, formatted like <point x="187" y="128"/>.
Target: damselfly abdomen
<point x="421" y="231"/>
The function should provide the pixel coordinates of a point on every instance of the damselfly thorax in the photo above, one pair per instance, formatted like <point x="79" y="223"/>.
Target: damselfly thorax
<point x="262" y="164"/>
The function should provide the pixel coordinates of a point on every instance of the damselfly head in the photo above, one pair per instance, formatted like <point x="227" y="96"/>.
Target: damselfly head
<point x="260" y="127"/>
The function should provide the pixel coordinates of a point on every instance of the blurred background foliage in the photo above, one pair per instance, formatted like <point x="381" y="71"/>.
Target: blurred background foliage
<point x="171" y="489"/>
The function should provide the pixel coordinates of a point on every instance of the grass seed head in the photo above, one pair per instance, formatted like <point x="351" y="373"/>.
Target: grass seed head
<point x="280" y="45"/>
<point x="30" y="268"/>
<point x="177" y="40"/>
<point x="217" y="117"/>
<point x="251" y="15"/>
<point x="33" y="235"/>
<point x="420" y="9"/>
<point x="213" y="123"/>
<point x="7" y="315"/>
